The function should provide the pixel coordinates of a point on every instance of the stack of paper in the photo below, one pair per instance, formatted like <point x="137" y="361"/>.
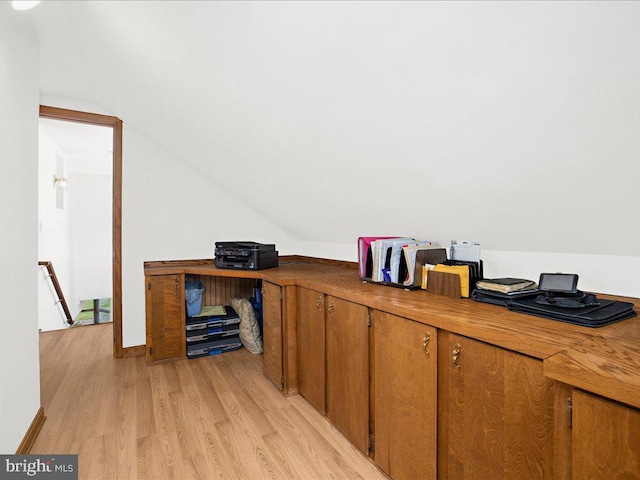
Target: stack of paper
<point x="365" y="256"/>
<point x="396" y="260"/>
<point x="415" y="256"/>
<point x="386" y="255"/>
<point x="467" y="250"/>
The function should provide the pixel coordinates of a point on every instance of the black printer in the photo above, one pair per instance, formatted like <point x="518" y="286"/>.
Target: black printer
<point x="245" y="255"/>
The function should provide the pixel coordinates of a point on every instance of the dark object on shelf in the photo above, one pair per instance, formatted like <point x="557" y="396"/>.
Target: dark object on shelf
<point x="606" y="312"/>
<point x="213" y="348"/>
<point x="213" y="334"/>
<point x="575" y="300"/>
<point x="499" y="298"/>
<point x="564" y="283"/>
<point x="245" y="255"/>
<point x="229" y="318"/>
<point x="476" y="272"/>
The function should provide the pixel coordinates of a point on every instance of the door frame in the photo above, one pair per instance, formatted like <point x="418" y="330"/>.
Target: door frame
<point x="116" y="302"/>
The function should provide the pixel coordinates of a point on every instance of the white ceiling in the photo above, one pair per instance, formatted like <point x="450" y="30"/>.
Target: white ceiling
<point x="87" y="148"/>
<point x="79" y="139"/>
<point x="486" y="120"/>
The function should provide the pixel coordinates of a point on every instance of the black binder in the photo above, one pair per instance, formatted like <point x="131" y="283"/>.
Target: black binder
<point x="499" y="298"/>
<point x="607" y="312"/>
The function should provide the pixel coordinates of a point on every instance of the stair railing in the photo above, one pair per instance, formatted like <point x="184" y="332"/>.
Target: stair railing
<point x="56" y="286"/>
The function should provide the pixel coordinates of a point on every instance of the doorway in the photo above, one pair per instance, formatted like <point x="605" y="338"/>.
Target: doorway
<point x="116" y="208"/>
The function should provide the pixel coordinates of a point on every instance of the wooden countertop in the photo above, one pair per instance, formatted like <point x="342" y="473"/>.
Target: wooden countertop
<point x="604" y="360"/>
<point x="607" y="366"/>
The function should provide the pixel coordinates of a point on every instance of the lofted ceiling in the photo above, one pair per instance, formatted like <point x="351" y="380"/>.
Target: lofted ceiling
<point x="484" y="120"/>
<point x="81" y="142"/>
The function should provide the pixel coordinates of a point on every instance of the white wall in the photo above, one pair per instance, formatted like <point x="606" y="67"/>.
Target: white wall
<point x="54" y="239"/>
<point x="511" y="123"/>
<point x="614" y="274"/>
<point x="19" y="356"/>
<point x="77" y="238"/>
<point x="169" y="212"/>
<point x="90" y="200"/>
<point x="508" y="122"/>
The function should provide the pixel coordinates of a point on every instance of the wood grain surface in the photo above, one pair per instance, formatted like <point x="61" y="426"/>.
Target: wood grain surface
<point x="495" y="413"/>
<point x="310" y="320"/>
<point x="443" y="283"/>
<point x="32" y="433"/>
<point x="404" y="397"/>
<point x="165" y="318"/>
<point x="347" y="350"/>
<point x="218" y="290"/>
<point x="208" y="418"/>
<point x="606" y="439"/>
<point x="605" y="366"/>
<point x="272" y="332"/>
<point x="532" y="336"/>
<point x="289" y="336"/>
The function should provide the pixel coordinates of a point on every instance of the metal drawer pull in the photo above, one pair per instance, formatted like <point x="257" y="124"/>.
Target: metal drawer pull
<point x="456" y="354"/>
<point x="425" y="344"/>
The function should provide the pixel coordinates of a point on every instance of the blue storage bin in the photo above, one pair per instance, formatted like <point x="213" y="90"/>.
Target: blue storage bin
<point x="193" y="297"/>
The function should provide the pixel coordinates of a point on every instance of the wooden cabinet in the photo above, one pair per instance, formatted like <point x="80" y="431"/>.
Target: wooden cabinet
<point x="403" y="362"/>
<point x="310" y="319"/>
<point x="606" y="439"/>
<point x="272" y="332"/>
<point x="496" y="415"/>
<point x="165" y="318"/>
<point x="347" y="363"/>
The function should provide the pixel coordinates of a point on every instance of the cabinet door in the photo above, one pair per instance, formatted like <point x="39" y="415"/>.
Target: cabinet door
<point x="310" y="308"/>
<point x="495" y="413"/>
<point x="165" y="318"/>
<point x="347" y="350"/>
<point x="404" y="398"/>
<point x="272" y="332"/>
<point x="606" y="439"/>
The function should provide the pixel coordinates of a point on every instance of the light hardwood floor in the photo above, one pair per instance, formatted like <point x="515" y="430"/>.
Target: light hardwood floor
<point x="210" y="418"/>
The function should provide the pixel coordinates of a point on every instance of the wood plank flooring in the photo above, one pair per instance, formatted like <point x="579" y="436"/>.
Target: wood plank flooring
<point x="210" y="418"/>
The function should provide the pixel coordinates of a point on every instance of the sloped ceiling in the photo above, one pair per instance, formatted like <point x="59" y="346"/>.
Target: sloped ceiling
<point x="92" y="144"/>
<point x="512" y="123"/>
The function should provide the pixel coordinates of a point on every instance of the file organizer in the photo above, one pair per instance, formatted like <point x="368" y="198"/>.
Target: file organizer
<point x="365" y="256"/>
<point x="400" y="262"/>
<point x="443" y="283"/>
<point x="460" y="271"/>
<point x="217" y="347"/>
<point x="212" y="335"/>
<point x="396" y="261"/>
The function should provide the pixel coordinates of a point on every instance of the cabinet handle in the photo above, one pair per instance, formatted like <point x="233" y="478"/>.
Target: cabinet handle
<point x="456" y="354"/>
<point x="177" y="281"/>
<point x="331" y="309"/>
<point x="425" y="344"/>
<point x="319" y="304"/>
